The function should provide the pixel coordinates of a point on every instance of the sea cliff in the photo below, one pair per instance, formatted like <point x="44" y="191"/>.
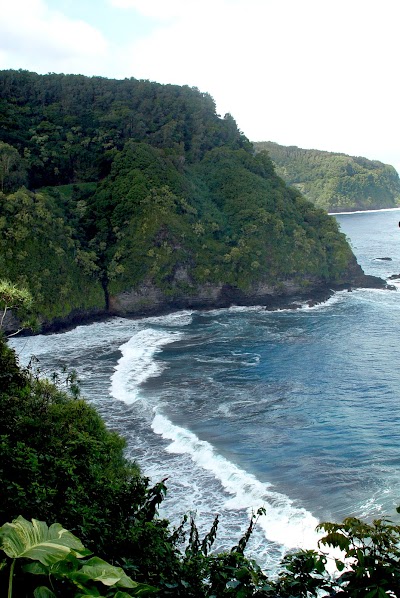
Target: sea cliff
<point x="134" y="198"/>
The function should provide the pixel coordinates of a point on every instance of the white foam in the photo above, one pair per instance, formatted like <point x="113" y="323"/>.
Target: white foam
<point x="237" y="359"/>
<point x="337" y="297"/>
<point x="245" y="308"/>
<point x="394" y="282"/>
<point x="233" y="309"/>
<point x="137" y="363"/>
<point x="75" y="341"/>
<point x="372" y="294"/>
<point x="370" y="507"/>
<point x="89" y="336"/>
<point x="177" y="318"/>
<point x="364" y="211"/>
<point x="284" y="523"/>
<point x="263" y="309"/>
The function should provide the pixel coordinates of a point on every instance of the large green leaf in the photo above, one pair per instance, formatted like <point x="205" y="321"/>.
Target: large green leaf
<point x="96" y="569"/>
<point x="35" y="568"/>
<point x="141" y="590"/>
<point x="37" y="541"/>
<point x="43" y="592"/>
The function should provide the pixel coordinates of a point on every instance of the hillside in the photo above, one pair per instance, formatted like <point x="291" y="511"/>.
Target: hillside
<point x="130" y="197"/>
<point x="335" y="182"/>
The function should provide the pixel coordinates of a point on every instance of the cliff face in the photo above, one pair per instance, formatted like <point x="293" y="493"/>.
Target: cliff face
<point x="147" y="298"/>
<point x="149" y="201"/>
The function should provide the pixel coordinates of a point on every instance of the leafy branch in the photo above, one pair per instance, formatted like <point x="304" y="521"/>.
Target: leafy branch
<point x="16" y="298"/>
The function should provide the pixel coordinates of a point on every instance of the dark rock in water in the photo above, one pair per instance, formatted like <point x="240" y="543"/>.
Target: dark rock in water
<point x="312" y="303"/>
<point x="372" y="282"/>
<point x="383" y="259"/>
<point x="391" y="287"/>
<point x="295" y="306"/>
<point x="394" y="277"/>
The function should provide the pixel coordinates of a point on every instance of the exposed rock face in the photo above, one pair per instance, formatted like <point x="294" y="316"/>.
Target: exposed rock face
<point x="356" y="278"/>
<point x="148" y="299"/>
<point x="11" y="323"/>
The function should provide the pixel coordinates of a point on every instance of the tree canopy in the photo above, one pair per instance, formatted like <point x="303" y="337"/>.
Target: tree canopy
<point x="335" y="182"/>
<point x="131" y="184"/>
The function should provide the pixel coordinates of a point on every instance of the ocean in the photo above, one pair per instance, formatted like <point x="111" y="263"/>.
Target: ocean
<point x="294" y="411"/>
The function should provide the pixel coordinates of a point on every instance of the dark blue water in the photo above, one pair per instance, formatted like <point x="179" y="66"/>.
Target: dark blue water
<point x="297" y="411"/>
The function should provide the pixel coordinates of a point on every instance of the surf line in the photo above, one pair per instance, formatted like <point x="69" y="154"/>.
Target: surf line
<point x="137" y="364"/>
<point x="364" y="211"/>
<point x="283" y="523"/>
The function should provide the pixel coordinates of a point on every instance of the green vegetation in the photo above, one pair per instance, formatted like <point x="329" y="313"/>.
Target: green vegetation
<point x="17" y="299"/>
<point x="335" y="182"/>
<point x="56" y="553"/>
<point x="39" y="253"/>
<point x="132" y="184"/>
<point x="58" y="462"/>
<point x="12" y="173"/>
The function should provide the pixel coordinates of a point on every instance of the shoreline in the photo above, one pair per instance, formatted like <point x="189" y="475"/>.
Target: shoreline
<point x="293" y="301"/>
<point x="364" y="211"/>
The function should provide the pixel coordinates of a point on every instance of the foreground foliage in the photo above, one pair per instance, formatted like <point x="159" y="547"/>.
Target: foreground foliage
<point x="371" y="557"/>
<point x="368" y="566"/>
<point x="19" y="300"/>
<point x="56" y="554"/>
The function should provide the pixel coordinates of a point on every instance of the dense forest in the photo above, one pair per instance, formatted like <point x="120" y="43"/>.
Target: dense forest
<point x="335" y="182"/>
<point x="125" y="196"/>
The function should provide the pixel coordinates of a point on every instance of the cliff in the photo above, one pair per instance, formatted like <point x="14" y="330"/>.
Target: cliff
<point x="130" y="197"/>
<point x="335" y="182"/>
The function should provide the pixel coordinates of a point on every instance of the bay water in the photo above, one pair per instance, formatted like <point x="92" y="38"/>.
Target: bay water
<point x="294" y="411"/>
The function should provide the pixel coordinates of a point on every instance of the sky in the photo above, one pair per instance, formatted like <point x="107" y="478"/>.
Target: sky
<point x="319" y="74"/>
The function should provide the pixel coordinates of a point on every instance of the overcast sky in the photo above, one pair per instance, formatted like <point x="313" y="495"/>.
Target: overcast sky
<point x="313" y="73"/>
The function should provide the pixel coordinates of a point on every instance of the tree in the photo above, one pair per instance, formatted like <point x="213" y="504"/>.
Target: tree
<point x="16" y="298"/>
<point x="11" y="170"/>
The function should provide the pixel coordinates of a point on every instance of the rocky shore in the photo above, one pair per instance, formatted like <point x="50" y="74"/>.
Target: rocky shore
<point x="148" y="300"/>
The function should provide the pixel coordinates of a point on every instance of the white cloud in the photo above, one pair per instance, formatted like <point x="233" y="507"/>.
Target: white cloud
<point x="162" y="9"/>
<point x="312" y="73"/>
<point x="32" y="33"/>
<point x="306" y="72"/>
